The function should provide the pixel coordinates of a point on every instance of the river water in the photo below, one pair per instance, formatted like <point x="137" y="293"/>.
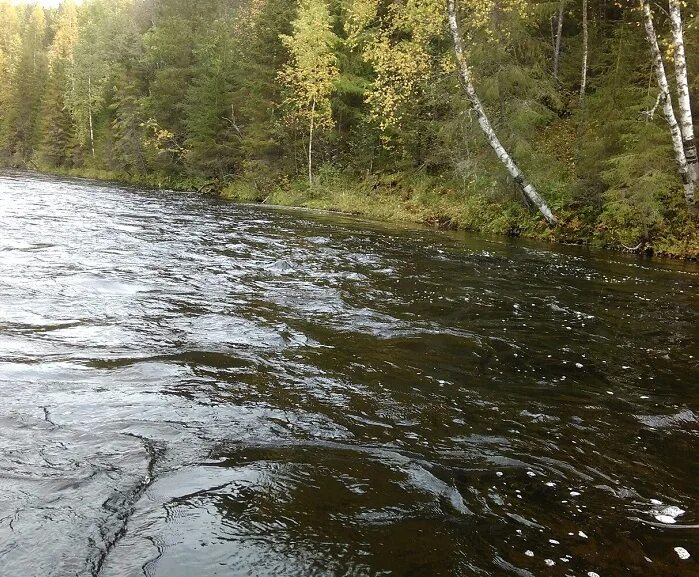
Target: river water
<point x="192" y="388"/>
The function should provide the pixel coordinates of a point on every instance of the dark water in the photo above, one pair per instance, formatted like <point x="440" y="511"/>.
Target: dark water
<point x="192" y="388"/>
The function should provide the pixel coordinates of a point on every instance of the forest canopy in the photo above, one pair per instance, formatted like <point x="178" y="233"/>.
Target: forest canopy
<point x="365" y="106"/>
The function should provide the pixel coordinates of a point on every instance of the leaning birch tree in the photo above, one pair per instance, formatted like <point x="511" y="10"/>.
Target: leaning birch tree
<point x="466" y="77"/>
<point x="311" y="72"/>
<point x="668" y="109"/>
<point x="396" y="42"/>
<point x="685" y="107"/>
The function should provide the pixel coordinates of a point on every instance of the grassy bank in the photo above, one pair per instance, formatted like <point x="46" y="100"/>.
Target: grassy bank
<point x="483" y="206"/>
<point x="480" y="206"/>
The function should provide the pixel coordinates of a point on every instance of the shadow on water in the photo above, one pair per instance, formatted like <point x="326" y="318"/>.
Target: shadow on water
<point x="199" y="388"/>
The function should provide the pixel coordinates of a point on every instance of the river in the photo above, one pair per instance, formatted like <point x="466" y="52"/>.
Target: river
<point x="194" y="388"/>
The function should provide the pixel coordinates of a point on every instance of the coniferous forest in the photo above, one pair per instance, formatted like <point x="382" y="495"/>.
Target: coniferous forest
<point x="567" y="120"/>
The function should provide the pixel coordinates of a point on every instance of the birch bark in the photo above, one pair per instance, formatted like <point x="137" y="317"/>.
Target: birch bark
<point x="465" y="74"/>
<point x="583" y="79"/>
<point x="686" y="122"/>
<point x="89" y="115"/>
<point x="310" y="143"/>
<point x="559" y="35"/>
<point x="668" y="109"/>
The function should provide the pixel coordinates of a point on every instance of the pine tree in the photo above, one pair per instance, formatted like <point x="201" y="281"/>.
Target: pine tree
<point x="213" y="135"/>
<point x="10" y="42"/>
<point x="21" y="134"/>
<point x="258" y="94"/>
<point x="127" y="125"/>
<point x="56" y="121"/>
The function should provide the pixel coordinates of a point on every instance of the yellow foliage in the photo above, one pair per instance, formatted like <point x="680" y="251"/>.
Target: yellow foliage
<point x="398" y="44"/>
<point x="162" y="140"/>
<point x="312" y="71"/>
<point x="9" y="42"/>
<point x="66" y="33"/>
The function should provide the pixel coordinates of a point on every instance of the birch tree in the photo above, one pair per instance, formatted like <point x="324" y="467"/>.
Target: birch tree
<point x="398" y="49"/>
<point x="465" y="74"/>
<point x="92" y="63"/>
<point x="559" y="36"/>
<point x="668" y="109"/>
<point x="686" y="122"/>
<point x="583" y="78"/>
<point x="311" y="72"/>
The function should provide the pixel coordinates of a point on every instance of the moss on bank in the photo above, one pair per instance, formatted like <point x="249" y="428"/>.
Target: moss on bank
<point x="482" y="205"/>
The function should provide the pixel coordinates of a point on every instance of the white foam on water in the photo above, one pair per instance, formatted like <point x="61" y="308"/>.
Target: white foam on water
<point x="682" y="553"/>
<point x="673" y="511"/>
<point x="668" y="515"/>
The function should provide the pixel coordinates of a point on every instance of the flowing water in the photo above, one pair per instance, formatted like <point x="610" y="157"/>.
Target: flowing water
<point x="192" y="388"/>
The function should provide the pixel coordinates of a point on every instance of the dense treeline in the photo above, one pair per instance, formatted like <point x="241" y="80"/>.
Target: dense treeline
<point x="361" y="105"/>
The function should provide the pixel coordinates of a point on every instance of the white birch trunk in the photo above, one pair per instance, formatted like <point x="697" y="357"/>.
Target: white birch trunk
<point x="668" y="109"/>
<point x="310" y="143"/>
<point x="686" y="122"/>
<point x="559" y="36"/>
<point x="583" y="79"/>
<point x="465" y="74"/>
<point x="89" y="115"/>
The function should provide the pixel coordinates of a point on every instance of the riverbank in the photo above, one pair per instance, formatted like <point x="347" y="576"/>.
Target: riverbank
<point x="484" y="206"/>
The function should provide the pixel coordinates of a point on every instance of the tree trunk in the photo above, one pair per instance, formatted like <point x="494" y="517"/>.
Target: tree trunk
<point x="465" y="74"/>
<point x="89" y="114"/>
<point x="310" y="143"/>
<point x="668" y="109"/>
<point x="559" y="36"/>
<point x="583" y="79"/>
<point x="686" y="122"/>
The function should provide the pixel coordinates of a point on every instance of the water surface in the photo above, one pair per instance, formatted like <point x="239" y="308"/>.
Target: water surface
<point x="192" y="388"/>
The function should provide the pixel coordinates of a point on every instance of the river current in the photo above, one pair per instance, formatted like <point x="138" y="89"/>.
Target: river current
<point x="192" y="388"/>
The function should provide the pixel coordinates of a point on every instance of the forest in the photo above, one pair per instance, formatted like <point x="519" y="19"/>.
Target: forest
<point x="564" y="120"/>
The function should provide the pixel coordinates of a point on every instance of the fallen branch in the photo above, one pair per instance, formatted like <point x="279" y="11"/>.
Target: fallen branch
<point x="650" y="114"/>
<point x="211" y="184"/>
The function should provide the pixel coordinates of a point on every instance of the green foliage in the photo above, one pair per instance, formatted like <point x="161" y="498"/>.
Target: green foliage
<point x="20" y="117"/>
<point x="180" y="94"/>
<point x="57" y="128"/>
